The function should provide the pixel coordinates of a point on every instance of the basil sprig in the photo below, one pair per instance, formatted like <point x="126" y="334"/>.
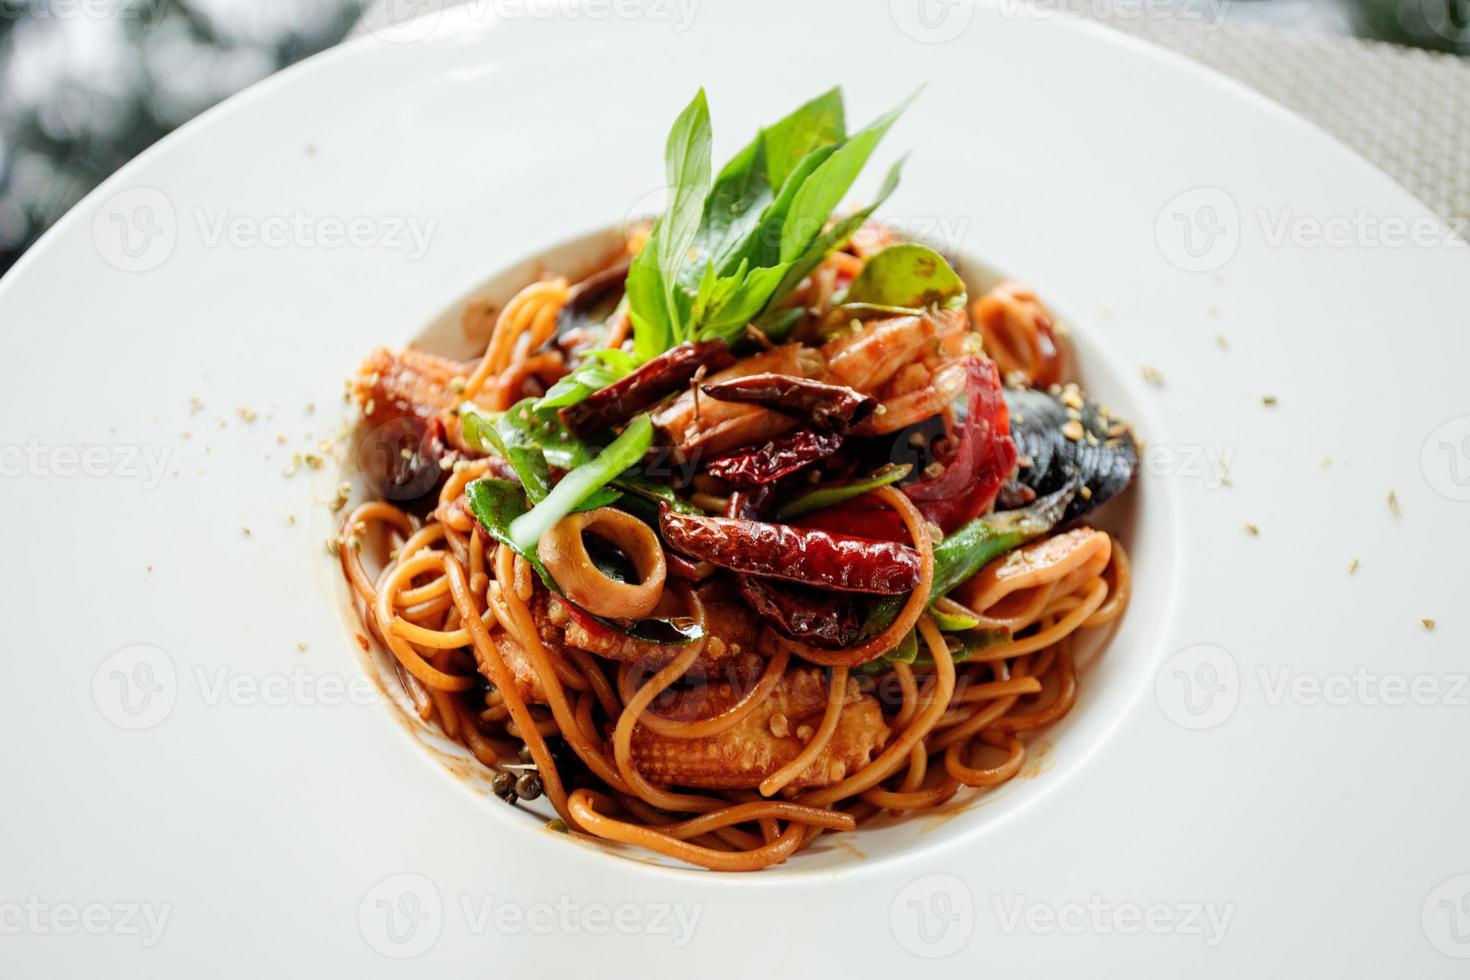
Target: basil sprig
<point x="728" y="249"/>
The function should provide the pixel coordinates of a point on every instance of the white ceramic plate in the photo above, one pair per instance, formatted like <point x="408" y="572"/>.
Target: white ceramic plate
<point x="1264" y="770"/>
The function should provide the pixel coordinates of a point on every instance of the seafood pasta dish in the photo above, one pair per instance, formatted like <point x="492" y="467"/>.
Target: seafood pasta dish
<point x="760" y="529"/>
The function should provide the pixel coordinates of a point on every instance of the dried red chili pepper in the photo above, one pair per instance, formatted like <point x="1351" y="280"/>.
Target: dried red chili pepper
<point x="822" y="618"/>
<point x="817" y="558"/>
<point x="663" y="375"/>
<point x="775" y="459"/>
<point x="832" y="408"/>
<point x="866" y="517"/>
<point x="691" y="571"/>
<point x="983" y="458"/>
<point x="750" y="503"/>
<point x="827" y="619"/>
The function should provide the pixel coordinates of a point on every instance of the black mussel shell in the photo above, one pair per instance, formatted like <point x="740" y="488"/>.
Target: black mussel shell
<point x="1062" y="438"/>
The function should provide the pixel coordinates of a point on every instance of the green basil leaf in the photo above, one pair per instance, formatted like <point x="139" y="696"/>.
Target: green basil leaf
<point x="524" y="424"/>
<point x="653" y="331"/>
<point x="907" y="275"/>
<point x="687" y="168"/>
<point x="516" y="437"/>
<point x="736" y="201"/>
<point x="763" y="245"/>
<point x="829" y="183"/>
<point x="596" y="370"/>
<point x="777" y="324"/>
<point x="497" y="504"/>
<point x="727" y="251"/>
<point x="655" y="302"/>
<point x="478" y="427"/>
<point x="741" y="304"/>
<point x="638" y="485"/>
<point x="831" y="240"/>
<point x="831" y="494"/>
<point x="715" y="295"/>
<point x="820" y="122"/>
<point x="741" y="201"/>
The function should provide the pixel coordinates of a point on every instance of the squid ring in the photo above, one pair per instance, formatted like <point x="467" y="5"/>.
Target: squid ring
<point x="565" y="555"/>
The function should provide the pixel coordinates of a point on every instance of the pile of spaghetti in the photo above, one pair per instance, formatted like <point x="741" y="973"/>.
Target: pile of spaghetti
<point x="759" y="530"/>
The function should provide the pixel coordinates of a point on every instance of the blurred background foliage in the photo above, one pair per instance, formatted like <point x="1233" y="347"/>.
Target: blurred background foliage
<point x="85" y="85"/>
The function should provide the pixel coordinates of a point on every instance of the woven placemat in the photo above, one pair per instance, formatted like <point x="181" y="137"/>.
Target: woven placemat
<point x="1406" y="110"/>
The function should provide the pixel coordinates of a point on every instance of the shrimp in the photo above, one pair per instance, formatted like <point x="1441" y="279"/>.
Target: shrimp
<point x="918" y="402"/>
<point x="869" y="356"/>
<point x="909" y="363"/>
